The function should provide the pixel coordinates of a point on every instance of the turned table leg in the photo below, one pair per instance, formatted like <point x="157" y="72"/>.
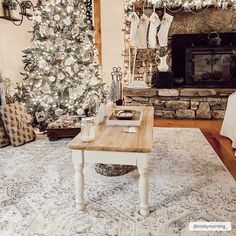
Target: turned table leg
<point x="78" y="161"/>
<point x="143" y="185"/>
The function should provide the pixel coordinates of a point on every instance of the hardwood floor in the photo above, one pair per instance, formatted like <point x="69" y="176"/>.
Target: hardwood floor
<point x="211" y="130"/>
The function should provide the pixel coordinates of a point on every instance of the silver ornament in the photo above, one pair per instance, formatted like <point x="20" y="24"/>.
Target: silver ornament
<point x="52" y="78"/>
<point x="57" y="17"/>
<point x="80" y="112"/>
<point x="59" y="112"/>
<point x="61" y="76"/>
<point x="67" y="21"/>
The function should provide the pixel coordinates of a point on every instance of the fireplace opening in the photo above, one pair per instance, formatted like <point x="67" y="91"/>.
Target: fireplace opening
<point x="210" y="66"/>
<point x="198" y="64"/>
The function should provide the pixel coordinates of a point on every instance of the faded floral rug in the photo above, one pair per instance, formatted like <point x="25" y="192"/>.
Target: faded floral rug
<point x="188" y="182"/>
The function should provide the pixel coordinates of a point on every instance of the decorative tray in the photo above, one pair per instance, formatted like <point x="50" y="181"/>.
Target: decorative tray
<point x="124" y="114"/>
<point x="114" y="120"/>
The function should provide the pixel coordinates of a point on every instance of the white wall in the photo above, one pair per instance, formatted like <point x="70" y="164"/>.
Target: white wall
<point x="112" y="19"/>
<point x="13" y="39"/>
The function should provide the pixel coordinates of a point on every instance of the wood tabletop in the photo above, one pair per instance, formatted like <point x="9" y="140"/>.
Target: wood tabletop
<point x="113" y="138"/>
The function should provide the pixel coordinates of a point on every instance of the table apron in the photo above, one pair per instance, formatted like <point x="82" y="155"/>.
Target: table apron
<point x="108" y="157"/>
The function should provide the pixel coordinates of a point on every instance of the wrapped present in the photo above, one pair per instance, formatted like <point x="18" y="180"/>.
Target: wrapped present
<point x="64" y="127"/>
<point x="4" y="142"/>
<point x="16" y="123"/>
<point x="4" y="139"/>
<point x="2" y="132"/>
<point x="65" y="122"/>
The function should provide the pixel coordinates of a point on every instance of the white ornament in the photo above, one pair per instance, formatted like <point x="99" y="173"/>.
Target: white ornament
<point x="79" y="91"/>
<point x="59" y="112"/>
<point x="80" y="112"/>
<point x="61" y="76"/>
<point x="46" y="89"/>
<point x="69" y="9"/>
<point x="57" y="17"/>
<point x="69" y="71"/>
<point x="83" y="74"/>
<point x="72" y="94"/>
<point x="58" y="42"/>
<point x="67" y="21"/>
<point x="76" y="68"/>
<point x="94" y="80"/>
<point x="69" y="61"/>
<point x="51" y="31"/>
<point x="47" y="8"/>
<point x="42" y="63"/>
<point x="87" y="46"/>
<point x="62" y="49"/>
<point x="52" y="78"/>
<point x="38" y="19"/>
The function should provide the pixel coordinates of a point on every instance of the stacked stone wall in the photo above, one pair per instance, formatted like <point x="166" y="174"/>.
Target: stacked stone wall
<point x="182" y="103"/>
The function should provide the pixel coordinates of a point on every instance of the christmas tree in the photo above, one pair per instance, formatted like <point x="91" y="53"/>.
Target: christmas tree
<point x="62" y="74"/>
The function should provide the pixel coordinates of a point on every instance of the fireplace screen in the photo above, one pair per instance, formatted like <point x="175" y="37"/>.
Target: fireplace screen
<point x="210" y="66"/>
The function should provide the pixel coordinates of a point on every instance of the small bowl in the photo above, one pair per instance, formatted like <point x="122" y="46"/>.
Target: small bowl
<point x="124" y="114"/>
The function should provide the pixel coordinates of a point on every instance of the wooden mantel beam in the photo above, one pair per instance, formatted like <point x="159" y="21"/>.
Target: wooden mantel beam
<point x="97" y="25"/>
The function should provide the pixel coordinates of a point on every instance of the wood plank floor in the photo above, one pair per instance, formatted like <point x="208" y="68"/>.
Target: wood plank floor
<point x="211" y="130"/>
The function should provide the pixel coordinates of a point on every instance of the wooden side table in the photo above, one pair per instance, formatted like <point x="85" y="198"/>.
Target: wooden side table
<point x="113" y="146"/>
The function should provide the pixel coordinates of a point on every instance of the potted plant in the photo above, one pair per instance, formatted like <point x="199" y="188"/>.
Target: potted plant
<point x="9" y="7"/>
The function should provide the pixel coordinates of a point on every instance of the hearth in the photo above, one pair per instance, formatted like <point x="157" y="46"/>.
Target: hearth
<point x="196" y="63"/>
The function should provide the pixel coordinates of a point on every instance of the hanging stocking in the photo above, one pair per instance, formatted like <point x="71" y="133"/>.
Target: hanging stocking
<point x="164" y="30"/>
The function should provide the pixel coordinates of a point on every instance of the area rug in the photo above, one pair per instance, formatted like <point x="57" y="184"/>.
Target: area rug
<point x="188" y="182"/>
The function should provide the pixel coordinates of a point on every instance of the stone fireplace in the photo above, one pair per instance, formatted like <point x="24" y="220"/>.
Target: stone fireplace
<point x="203" y="75"/>
<point x="181" y="103"/>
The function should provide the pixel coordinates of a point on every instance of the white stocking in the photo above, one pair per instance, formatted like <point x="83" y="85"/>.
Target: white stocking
<point x="154" y="24"/>
<point x="164" y="30"/>
<point x="134" y="19"/>
<point x="142" y="32"/>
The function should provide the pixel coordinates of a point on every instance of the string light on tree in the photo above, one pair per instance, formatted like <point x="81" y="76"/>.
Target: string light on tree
<point x="63" y="61"/>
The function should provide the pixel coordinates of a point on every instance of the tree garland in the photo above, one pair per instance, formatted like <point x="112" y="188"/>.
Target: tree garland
<point x="186" y="4"/>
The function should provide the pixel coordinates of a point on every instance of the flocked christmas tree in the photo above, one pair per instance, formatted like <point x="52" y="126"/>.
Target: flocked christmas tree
<point x="62" y="74"/>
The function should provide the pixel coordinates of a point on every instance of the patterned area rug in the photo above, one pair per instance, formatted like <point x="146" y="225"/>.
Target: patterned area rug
<point x="188" y="183"/>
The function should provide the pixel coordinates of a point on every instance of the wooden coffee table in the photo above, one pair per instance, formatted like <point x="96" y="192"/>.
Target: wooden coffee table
<point x="113" y="146"/>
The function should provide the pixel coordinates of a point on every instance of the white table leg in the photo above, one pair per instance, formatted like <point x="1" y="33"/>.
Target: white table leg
<point x="78" y="160"/>
<point x="142" y="164"/>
